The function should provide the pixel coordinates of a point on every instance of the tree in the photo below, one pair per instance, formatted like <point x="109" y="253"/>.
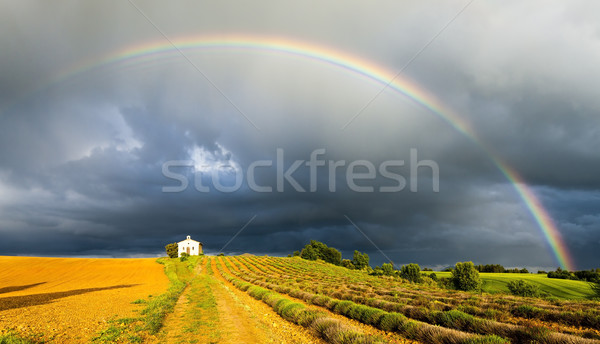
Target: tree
<point x="361" y="260"/>
<point x="172" y="250"/>
<point x="331" y="255"/>
<point x="296" y="254"/>
<point x="561" y="274"/>
<point x="465" y="276"/>
<point x="387" y="269"/>
<point x="318" y="250"/>
<point x="411" y="272"/>
<point x="309" y="253"/>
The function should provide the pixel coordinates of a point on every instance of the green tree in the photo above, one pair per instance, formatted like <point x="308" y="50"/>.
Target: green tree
<point x="411" y="272"/>
<point x="466" y="277"/>
<point x="387" y="268"/>
<point x="318" y="250"/>
<point x="309" y="253"/>
<point x="296" y="254"/>
<point x="361" y="260"/>
<point x="172" y="250"/>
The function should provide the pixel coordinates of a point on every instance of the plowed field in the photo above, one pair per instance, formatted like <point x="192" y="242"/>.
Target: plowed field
<point x="68" y="300"/>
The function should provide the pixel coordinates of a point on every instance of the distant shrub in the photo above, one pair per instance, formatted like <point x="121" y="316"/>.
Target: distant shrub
<point x="466" y="277"/>
<point x="411" y="272"/>
<point x="522" y="288"/>
<point x="221" y="254"/>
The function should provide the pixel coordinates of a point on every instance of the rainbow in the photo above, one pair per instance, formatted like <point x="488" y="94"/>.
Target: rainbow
<point x="149" y="52"/>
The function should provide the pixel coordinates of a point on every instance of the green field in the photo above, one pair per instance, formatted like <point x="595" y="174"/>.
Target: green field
<point x="568" y="289"/>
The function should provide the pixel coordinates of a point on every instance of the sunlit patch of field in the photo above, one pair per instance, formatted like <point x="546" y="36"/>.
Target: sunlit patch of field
<point x="568" y="289"/>
<point x="71" y="299"/>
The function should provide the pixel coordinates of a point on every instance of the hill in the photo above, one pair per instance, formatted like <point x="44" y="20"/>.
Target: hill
<point x="562" y="288"/>
<point x="252" y="299"/>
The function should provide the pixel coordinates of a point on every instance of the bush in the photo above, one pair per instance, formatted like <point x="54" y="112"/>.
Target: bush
<point x="428" y="281"/>
<point x="184" y="256"/>
<point x="411" y="272"/>
<point x="387" y="269"/>
<point x="445" y="283"/>
<point x="377" y="271"/>
<point x="348" y="264"/>
<point x="172" y="250"/>
<point x="522" y="288"/>
<point x="466" y="277"/>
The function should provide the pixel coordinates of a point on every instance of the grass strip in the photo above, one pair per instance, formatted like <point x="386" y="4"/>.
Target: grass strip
<point x="133" y="330"/>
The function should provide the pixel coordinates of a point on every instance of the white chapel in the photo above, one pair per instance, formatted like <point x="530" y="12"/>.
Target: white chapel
<point x="189" y="246"/>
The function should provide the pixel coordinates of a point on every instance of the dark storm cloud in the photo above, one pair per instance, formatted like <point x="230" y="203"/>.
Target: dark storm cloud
<point x="81" y="160"/>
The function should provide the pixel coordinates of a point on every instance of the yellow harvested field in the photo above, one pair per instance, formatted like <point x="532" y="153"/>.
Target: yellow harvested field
<point x="71" y="299"/>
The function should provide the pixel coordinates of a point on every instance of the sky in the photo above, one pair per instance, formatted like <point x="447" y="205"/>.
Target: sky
<point x="109" y="157"/>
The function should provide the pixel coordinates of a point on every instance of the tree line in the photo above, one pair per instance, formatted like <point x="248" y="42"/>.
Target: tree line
<point x="465" y="275"/>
